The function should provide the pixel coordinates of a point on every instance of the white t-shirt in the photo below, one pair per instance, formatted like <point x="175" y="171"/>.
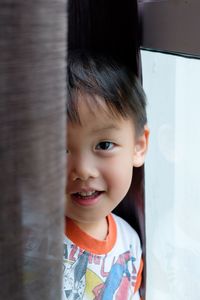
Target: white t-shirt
<point x="106" y="270"/>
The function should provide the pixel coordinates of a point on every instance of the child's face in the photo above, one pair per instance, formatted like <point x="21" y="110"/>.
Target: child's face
<point x="101" y="154"/>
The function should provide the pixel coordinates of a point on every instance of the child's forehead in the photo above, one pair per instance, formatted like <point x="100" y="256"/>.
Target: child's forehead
<point x="90" y="107"/>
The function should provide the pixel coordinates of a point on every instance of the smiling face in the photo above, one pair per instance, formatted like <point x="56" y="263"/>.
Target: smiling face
<point x="102" y="151"/>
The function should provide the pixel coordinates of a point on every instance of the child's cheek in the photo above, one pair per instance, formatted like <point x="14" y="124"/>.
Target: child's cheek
<point x="118" y="178"/>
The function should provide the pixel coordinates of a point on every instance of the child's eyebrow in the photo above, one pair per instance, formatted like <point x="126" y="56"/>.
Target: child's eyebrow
<point x="106" y="128"/>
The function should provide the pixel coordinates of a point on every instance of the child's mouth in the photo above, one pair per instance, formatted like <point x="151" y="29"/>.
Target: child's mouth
<point x="86" y="198"/>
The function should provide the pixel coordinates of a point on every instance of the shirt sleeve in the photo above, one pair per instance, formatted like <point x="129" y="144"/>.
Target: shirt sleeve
<point x="139" y="278"/>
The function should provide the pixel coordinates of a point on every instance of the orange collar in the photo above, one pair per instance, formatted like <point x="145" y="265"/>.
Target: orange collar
<point x="88" y="243"/>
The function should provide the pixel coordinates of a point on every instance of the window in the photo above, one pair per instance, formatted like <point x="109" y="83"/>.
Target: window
<point x="172" y="176"/>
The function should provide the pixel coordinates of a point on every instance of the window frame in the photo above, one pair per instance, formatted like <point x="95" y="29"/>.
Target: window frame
<point x="177" y="34"/>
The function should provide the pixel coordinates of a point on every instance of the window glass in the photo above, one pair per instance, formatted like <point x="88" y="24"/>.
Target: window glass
<point x="172" y="176"/>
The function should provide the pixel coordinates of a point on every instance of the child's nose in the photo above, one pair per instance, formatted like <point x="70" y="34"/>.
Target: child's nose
<point x="83" y="169"/>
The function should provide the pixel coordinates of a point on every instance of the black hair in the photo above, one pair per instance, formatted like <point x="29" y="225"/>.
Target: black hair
<point x="95" y="75"/>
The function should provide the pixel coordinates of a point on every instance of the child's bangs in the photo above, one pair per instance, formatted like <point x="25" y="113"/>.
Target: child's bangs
<point x="95" y="104"/>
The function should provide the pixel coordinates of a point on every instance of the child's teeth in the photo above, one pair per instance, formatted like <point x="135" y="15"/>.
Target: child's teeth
<point x="83" y="194"/>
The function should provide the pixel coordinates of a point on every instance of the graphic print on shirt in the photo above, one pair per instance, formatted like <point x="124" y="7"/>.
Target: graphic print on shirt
<point x="74" y="278"/>
<point x="94" y="277"/>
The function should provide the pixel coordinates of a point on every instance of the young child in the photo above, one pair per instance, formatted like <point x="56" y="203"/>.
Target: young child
<point x="106" y="137"/>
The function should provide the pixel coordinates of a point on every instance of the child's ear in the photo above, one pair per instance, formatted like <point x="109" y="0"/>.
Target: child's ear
<point x="141" y="146"/>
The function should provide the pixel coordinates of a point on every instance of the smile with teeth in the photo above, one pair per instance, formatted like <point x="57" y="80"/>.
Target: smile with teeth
<point x="86" y="194"/>
<point x="87" y="198"/>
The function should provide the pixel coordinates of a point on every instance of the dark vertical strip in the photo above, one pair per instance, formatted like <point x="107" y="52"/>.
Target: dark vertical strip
<point x="32" y="143"/>
<point x="105" y="27"/>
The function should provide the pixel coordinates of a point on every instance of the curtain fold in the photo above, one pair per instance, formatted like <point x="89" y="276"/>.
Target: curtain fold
<point x="32" y="147"/>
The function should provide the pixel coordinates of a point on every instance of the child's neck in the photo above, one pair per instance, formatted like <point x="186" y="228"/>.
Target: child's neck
<point x="98" y="230"/>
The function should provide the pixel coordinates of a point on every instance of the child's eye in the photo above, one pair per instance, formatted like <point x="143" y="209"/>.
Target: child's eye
<point x="105" y="146"/>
